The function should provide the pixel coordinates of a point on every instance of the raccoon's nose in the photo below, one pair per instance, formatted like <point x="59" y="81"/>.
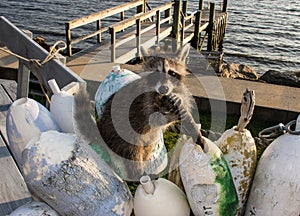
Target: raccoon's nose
<point x="163" y="89"/>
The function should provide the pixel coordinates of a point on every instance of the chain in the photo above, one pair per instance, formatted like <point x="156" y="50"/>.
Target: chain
<point x="277" y="130"/>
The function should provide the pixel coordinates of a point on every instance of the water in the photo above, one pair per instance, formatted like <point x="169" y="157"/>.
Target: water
<point x="261" y="33"/>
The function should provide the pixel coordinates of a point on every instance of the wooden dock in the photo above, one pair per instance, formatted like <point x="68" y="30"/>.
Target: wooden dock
<point x="89" y="67"/>
<point x="13" y="189"/>
<point x="150" y="28"/>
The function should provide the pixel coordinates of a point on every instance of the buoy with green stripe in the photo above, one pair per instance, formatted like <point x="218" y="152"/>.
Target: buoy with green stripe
<point x="207" y="180"/>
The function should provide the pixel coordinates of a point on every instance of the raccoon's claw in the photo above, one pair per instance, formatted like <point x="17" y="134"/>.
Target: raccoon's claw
<point x="168" y="105"/>
<point x="179" y="108"/>
<point x="173" y="105"/>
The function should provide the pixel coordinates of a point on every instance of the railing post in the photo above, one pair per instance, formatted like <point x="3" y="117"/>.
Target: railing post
<point x="23" y="75"/>
<point x="157" y="25"/>
<point x="211" y="27"/>
<point x="138" y="37"/>
<point x="113" y="44"/>
<point x="168" y="14"/>
<point x="23" y="80"/>
<point x="68" y="39"/>
<point x="201" y="4"/>
<point x="196" y="39"/>
<point x="225" y="5"/>
<point x="122" y="15"/>
<point x="176" y="20"/>
<point x="98" y="28"/>
<point x="141" y="8"/>
<point x="182" y="27"/>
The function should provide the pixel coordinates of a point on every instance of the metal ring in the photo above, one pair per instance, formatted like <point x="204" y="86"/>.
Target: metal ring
<point x="272" y="132"/>
<point x="288" y="128"/>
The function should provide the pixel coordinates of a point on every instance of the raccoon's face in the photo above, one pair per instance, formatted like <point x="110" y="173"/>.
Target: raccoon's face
<point x="166" y="74"/>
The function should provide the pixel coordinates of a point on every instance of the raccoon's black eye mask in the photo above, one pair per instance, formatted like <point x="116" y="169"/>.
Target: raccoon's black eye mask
<point x="174" y="74"/>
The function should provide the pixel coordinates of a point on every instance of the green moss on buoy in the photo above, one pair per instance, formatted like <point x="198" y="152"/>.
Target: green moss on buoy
<point x="228" y="200"/>
<point x="101" y="152"/>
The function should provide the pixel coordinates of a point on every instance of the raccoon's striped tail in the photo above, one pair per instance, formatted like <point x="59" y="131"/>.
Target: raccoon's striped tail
<point x="84" y="124"/>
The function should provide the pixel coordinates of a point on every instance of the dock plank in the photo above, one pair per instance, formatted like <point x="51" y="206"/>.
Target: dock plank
<point x="14" y="191"/>
<point x="94" y="64"/>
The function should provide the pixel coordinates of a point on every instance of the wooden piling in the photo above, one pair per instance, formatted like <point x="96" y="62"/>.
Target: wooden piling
<point x="225" y="5"/>
<point x="201" y="4"/>
<point x="211" y="27"/>
<point x="68" y="39"/>
<point x="182" y="28"/>
<point x="176" y="20"/>
<point x="196" y="39"/>
<point x="184" y="7"/>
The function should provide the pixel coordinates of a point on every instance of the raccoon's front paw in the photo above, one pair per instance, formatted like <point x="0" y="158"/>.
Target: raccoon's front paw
<point x="173" y="105"/>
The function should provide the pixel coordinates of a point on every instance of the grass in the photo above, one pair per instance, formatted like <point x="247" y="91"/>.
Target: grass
<point x="228" y="121"/>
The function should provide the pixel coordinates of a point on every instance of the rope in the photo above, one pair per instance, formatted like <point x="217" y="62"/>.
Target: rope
<point x="35" y="64"/>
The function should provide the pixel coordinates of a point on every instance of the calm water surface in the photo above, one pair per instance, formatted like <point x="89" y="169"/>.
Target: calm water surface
<point x="264" y="34"/>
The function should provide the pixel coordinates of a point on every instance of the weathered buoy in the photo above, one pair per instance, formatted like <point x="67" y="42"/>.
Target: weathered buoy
<point x="207" y="180"/>
<point x="239" y="150"/>
<point x="34" y="208"/>
<point x="72" y="178"/>
<point x="61" y="107"/>
<point x="276" y="186"/>
<point x="159" y="197"/>
<point x="174" y="171"/>
<point x="26" y="118"/>
<point x="112" y="83"/>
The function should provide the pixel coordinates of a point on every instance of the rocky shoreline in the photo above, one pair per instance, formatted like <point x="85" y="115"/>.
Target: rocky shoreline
<point x="241" y="71"/>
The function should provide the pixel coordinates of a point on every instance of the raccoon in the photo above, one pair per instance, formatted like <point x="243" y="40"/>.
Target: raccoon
<point x="135" y="116"/>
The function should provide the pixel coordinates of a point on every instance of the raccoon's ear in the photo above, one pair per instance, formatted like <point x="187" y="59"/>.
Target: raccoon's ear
<point x="183" y="53"/>
<point x="144" y="52"/>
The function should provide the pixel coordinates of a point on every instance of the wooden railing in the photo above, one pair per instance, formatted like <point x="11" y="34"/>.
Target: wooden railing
<point x="175" y="12"/>
<point x="140" y="6"/>
<point x="19" y="43"/>
<point x="154" y="14"/>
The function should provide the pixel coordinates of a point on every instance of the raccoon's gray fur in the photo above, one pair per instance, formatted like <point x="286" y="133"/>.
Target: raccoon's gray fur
<point x="134" y="117"/>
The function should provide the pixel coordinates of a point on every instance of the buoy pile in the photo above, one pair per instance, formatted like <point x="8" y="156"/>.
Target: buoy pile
<point x="70" y="178"/>
<point x="58" y="167"/>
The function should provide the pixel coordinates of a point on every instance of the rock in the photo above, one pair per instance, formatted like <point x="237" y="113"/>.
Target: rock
<point x="238" y="71"/>
<point x="287" y="78"/>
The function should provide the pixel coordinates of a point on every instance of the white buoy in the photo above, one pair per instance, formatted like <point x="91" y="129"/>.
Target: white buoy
<point x="72" y="178"/>
<point x="239" y="150"/>
<point x="207" y="180"/>
<point x="160" y="198"/>
<point x="34" y="208"/>
<point x="62" y="107"/>
<point x="276" y="186"/>
<point x="112" y="83"/>
<point x="26" y="118"/>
